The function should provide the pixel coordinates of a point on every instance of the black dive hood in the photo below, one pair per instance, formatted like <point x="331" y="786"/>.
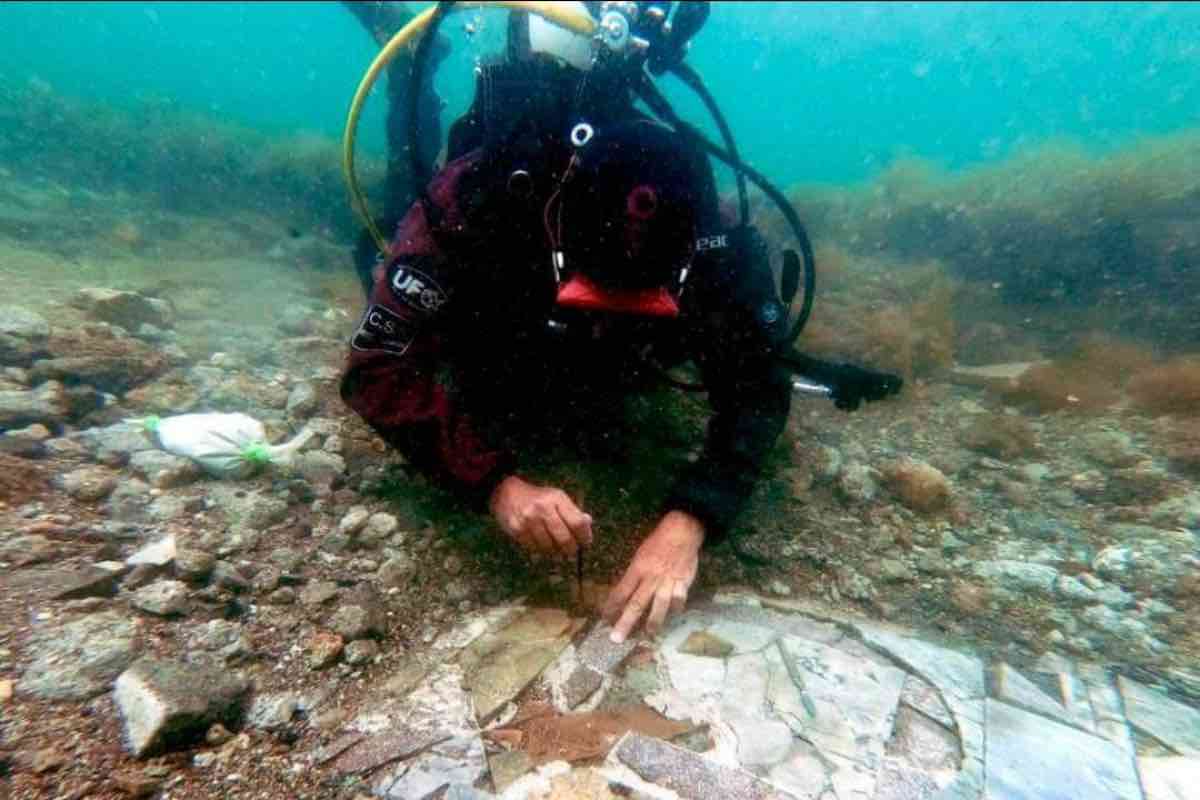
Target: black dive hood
<point x="635" y="40"/>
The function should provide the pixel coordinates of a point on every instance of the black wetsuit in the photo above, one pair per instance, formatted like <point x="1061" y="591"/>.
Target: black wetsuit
<point x="455" y="347"/>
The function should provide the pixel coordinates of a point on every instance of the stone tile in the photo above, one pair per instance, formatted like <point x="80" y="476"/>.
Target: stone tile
<point x="582" y="684"/>
<point x="689" y="774"/>
<point x="922" y="696"/>
<point x="898" y="781"/>
<point x="744" y="692"/>
<point x="499" y="665"/>
<point x="1174" y="724"/>
<point x="953" y="673"/>
<point x="694" y="677"/>
<point x="803" y="773"/>
<point x="507" y="767"/>
<point x="923" y="744"/>
<point x="1101" y="692"/>
<point x="476" y="625"/>
<point x="600" y="653"/>
<point x="431" y="735"/>
<point x="780" y="622"/>
<point x="760" y="743"/>
<point x="1015" y="689"/>
<point x="1075" y="698"/>
<point x="1033" y="758"/>
<point x="842" y="705"/>
<point x="851" y="779"/>
<point x="1174" y="778"/>
<point x="967" y="785"/>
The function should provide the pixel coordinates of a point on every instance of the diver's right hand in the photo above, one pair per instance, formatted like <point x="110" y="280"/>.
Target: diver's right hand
<point x="541" y="519"/>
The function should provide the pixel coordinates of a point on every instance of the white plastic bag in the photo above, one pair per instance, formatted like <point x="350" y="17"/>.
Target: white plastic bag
<point x="225" y="445"/>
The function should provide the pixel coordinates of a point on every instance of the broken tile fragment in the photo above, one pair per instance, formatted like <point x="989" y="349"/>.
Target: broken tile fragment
<point x="923" y="744"/>
<point x="1174" y="724"/>
<point x="952" y="672"/>
<point x="600" y="653"/>
<point x="582" y="684"/>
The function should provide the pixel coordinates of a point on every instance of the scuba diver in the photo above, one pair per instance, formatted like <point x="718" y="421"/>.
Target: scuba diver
<point x="572" y="249"/>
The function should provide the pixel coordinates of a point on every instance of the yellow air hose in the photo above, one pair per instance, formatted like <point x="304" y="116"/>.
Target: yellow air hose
<point x="565" y="15"/>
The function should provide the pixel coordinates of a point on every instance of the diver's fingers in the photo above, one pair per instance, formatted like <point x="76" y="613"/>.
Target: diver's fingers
<point x="634" y="610"/>
<point x="578" y="523"/>
<point x="564" y="542"/>
<point x="661" y="605"/>
<point x="679" y="593"/>
<point x="620" y="594"/>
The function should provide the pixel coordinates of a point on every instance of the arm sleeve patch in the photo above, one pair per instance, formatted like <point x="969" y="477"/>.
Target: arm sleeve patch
<point x="383" y="330"/>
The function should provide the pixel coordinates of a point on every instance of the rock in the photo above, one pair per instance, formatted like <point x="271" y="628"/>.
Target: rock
<point x="88" y="484"/>
<point x="1169" y="721"/>
<point x="46" y="405"/>
<point x="319" y="468"/>
<point x="895" y="571"/>
<point x="354" y="520"/>
<point x="165" y="470"/>
<point x="361" y="651"/>
<point x="28" y="442"/>
<point x="918" y="485"/>
<point x="227" y="576"/>
<point x="283" y="596"/>
<point x="1110" y="448"/>
<point x="129" y="501"/>
<point x="137" y="784"/>
<point x="219" y="641"/>
<point x="129" y="310"/>
<point x="164" y="703"/>
<point x="322" y="649"/>
<point x="79" y="659"/>
<point x="359" y="616"/>
<point x="88" y="582"/>
<point x="163" y="598"/>
<point x="100" y="357"/>
<point x="48" y="759"/>
<point x="194" y="565"/>
<point x="702" y="643"/>
<point x="380" y="525"/>
<point x="1146" y="558"/>
<point x="158" y="554"/>
<point x="318" y="593"/>
<point x="1018" y="578"/>
<point x="217" y="735"/>
<point x="248" y="508"/>
<point x="395" y="572"/>
<point x="23" y="335"/>
<point x="856" y="484"/>
<point x="1029" y="758"/>
<point x="266" y="579"/>
<point x="287" y="559"/>
<point x="302" y="402"/>
<point x="273" y="712"/>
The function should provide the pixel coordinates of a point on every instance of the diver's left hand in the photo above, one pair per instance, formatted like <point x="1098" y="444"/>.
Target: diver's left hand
<point x="658" y="578"/>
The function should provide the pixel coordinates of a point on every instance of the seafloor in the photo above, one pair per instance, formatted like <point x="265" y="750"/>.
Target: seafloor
<point x="1001" y="562"/>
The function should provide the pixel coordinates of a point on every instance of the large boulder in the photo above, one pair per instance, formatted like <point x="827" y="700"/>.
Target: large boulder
<point x="97" y="355"/>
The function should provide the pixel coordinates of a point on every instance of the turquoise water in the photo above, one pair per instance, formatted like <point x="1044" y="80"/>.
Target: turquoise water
<point x="816" y="91"/>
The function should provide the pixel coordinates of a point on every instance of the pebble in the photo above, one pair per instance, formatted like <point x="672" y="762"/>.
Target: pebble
<point x="217" y="735"/>
<point x="318" y="593"/>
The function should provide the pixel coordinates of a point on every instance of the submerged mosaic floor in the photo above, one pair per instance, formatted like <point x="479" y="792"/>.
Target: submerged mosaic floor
<point x="756" y="701"/>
